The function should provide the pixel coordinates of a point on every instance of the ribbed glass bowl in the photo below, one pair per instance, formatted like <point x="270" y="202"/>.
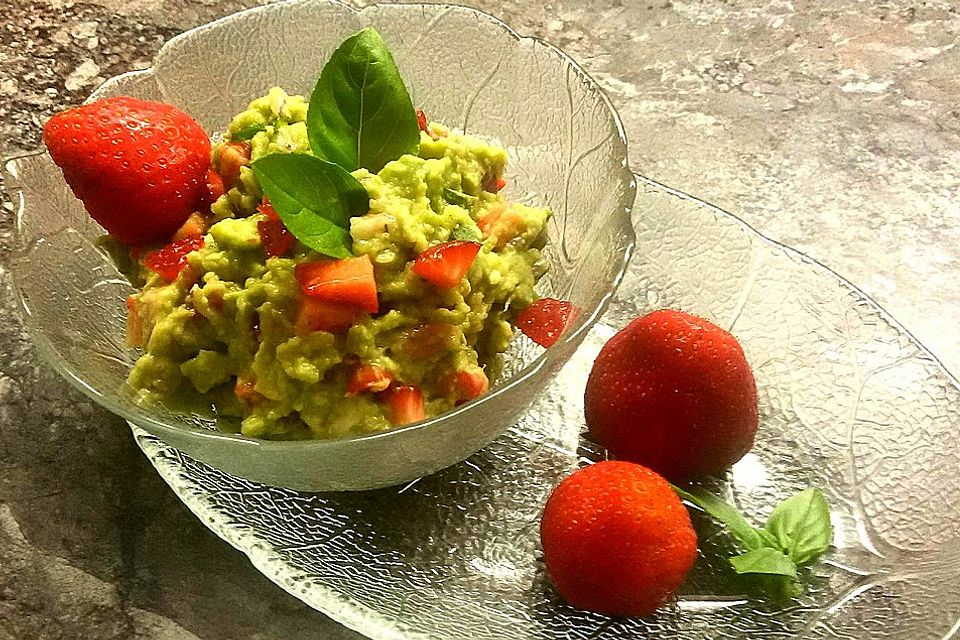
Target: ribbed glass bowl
<point x="465" y="69"/>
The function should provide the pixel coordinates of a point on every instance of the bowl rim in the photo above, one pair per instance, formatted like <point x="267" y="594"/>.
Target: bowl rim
<point x="570" y="339"/>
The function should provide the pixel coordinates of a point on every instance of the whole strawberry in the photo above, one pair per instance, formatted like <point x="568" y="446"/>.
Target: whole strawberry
<point x="673" y="392"/>
<point x="616" y="539"/>
<point x="138" y="166"/>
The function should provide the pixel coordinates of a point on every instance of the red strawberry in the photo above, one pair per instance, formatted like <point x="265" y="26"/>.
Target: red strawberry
<point x="368" y="377"/>
<point x="404" y="404"/>
<point x="215" y="186"/>
<point x="470" y="383"/>
<point x="274" y="235"/>
<point x="444" y="265"/>
<point x="233" y="155"/>
<point x="138" y="166"/>
<point x="546" y="319"/>
<point x="347" y="282"/>
<point x="245" y="391"/>
<point x="170" y="260"/>
<point x="675" y="393"/>
<point x="422" y="120"/>
<point x="316" y="315"/>
<point x="616" y="539"/>
<point x="426" y="341"/>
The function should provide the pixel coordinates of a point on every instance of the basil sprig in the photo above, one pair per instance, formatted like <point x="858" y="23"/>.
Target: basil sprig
<point x="360" y="113"/>
<point x="797" y="532"/>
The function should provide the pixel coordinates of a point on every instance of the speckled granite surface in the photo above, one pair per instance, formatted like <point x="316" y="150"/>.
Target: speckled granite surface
<point x="831" y="126"/>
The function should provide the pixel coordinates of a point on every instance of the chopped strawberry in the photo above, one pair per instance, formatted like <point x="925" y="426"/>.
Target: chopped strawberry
<point x="546" y="319"/>
<point x="195" y="225"/>
<point x="245" y="391"/>
<point x="170" y="260"/>
<point x="138" y="166"/>
<point x="316" y="315"/>
<point x="492" y="183"/>
<point x="501" y="223"/>
<point x="422" y="120"/>
<point x="233" y="156"/>
<point x="134" y="326"/>
<point x="215" y="187"/>
<point x="347" y="282"/>
<point x="444" y="265"/>
<point x="274" y="235"/>
<point x="470" y="383"/>
<point x="368" y="377"/>
<point x="404" y="404"/>
<point x="428" y="340"/>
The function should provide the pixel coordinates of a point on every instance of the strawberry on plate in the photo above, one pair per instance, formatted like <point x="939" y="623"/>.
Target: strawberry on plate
<point x="172" y="259"/>
<point x="444" y="265"/>
<point x="675" y="393"/>
<point x="140" y="167"/>
<point x="616" y="539"/>
<point x="348" y="282"/>
<point x="274" y="235"/>
<point x="545" y="320"/>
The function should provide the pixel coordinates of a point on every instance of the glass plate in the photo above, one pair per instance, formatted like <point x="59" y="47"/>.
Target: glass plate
<point x="849" y="402"/>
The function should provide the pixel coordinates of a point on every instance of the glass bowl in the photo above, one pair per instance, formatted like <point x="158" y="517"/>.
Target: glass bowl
<point x="464" y="68"/>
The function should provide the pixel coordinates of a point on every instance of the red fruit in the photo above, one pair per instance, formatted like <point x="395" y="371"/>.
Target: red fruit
<point x="404" y="404"/>
<point x="368" y="377"/>
<point x="233" y="155"/>
<point x="316" y="315"/>
<point x="673" y="392"/>
<point x="426" y="341"/>
<point x="139" y="167"/>
<point x="616" y="539"/>
<point x="347" y="282"/>
<point x="274" y="235"/>
<point x="170" y="260"/>
<point x="245" y="391"/>
<point x="421" y="120"/>
<point x="546" y="319"/>
<point x="444" y="265"/>
<point x="215" y="187"/>
<point x="470" y="383"/>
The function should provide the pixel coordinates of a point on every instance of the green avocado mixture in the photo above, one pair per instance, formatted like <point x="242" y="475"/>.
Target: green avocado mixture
<point x="224" y="332"/>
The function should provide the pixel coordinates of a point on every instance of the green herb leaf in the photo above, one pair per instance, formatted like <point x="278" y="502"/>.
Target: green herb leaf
<point x="801" y="526"/>
<point x="360" y="113"/>
<point x="764" y="560"/>
<point x="247" y="132"/>
<point x="725" y="514"/>
<point x="459" y="198"/>
<point x="466" y="232"/>
<point x="314" y="198"/>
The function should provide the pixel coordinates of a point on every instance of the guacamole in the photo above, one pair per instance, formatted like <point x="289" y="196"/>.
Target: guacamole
<point x="228" y="330"/>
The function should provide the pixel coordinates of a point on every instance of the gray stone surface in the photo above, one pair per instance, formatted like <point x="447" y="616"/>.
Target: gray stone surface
<point x="831" y="126"/>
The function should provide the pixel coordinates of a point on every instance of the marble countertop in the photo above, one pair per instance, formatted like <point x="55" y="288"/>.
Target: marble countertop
<point x="830" y="126"/>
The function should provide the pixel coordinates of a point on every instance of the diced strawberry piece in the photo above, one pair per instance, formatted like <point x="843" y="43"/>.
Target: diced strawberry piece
<point x="368" y="377"/>
<point x="195" y="225"/>
<point x="245" y="391"/>
<point x="546" y="319"/>
<point x="134" y="326"/>
<point x="486" y="222"/>
<point x="233" y="156"/>
<point x="427" y="340"/>
<point x="470" y="383"/>
<point x="215" y="187"/>
<point x="274" y="235"/>
<point x="422" y="119"/>
<point x="499" y="185"/>
<point x="316" y="315"/>
<point x="170" y="260"/>
<point x="444" y="265"/>
<point x="404" y="404"/>
<point x="492" y="183"/>
<point x="347" y="282"/>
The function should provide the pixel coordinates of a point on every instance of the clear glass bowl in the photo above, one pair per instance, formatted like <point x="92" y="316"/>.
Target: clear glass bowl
<point x="464" y="68"/>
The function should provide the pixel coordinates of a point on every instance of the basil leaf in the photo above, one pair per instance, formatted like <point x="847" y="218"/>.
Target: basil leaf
<point x="725" y="514"/>
<point x="764" y="560"/>
<point x="466" y="232"/>
<point x="458" y="197"/>
<point x="315" y="199"/>
<point x="360" y="113"/>
<point x="801" y="525"/>
<point x="247" y="132"/>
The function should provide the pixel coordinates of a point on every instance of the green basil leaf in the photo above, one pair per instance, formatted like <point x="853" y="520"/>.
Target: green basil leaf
<point x="725" y="514"/>
<point x="466" y="232"/>
<point x="764" y="560"/>
<point x="314" y="198"/>
<point x="459" y="198"/>
<point x="360" y="113"/>
<point x="801" y="525"/>
<point x="247" y="132"/>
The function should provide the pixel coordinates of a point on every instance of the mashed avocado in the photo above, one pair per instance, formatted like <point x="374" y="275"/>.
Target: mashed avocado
<point x="225" y="331"/>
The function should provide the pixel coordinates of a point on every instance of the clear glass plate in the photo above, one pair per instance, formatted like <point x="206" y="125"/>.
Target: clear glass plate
<point x="849" y="401"/>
